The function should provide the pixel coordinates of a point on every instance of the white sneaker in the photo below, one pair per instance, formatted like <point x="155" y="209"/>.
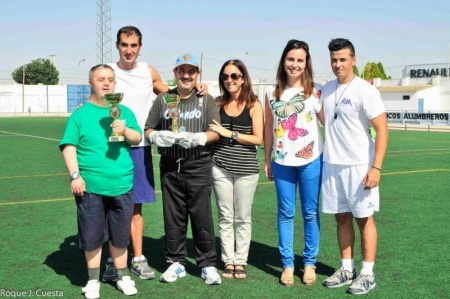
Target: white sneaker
<point x="210" y="275"/>
<point x="126" y="285"/>
<point x="173" y="272"/>
<point x="91" y="290"/>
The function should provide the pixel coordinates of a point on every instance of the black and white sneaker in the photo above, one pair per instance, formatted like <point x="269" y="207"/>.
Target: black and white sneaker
<point x="362" y="284"/>
<point x="340" y="278"/>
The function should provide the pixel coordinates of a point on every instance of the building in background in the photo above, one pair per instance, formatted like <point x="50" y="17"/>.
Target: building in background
<point x="420" y="97"/>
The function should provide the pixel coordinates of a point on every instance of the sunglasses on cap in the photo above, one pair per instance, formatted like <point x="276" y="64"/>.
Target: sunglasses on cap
<point x="233" y="76"/>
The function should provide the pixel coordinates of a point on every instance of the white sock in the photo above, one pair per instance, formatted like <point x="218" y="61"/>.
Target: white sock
<point x="348" y="264"/>
<point x="367" y="268"/>
<point x="139" y="258"/>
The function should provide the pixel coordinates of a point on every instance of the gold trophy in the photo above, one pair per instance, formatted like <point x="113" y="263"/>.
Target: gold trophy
<point x="114" y="112"/>
<point x="172" y="101"/>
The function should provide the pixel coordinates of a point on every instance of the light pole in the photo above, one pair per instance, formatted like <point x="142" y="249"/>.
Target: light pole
<point x="78" y="70"/>
<point x="53" y="58"/>
<point x="23" y="87"/>
<point x="362" y="63"/>
<point x="201" y="66"/>
<point x="79" y="88"/>
<point x="448" y="61"/>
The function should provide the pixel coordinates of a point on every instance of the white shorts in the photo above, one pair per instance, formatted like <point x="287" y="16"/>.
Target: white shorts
<point x="343" y="190"/>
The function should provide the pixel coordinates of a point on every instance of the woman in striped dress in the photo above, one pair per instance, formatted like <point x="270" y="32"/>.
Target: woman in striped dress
<point x="235" y="164"/>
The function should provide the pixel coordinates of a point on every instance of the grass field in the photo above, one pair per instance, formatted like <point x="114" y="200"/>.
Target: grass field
<point x="38" y="237"/>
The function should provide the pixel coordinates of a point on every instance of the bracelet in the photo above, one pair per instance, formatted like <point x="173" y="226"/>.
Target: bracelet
<point x="379" y="169"/>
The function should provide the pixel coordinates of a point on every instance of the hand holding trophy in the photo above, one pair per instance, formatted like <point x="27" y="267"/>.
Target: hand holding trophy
<point x="172" y="101"/>
<point x="114" y="112"/>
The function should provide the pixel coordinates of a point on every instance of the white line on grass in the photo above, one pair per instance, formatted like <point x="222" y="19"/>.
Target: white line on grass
<point x="424" y="150"/>
<point x="416" y="171"/>
<point x="158" y="191"/>
<point x="32" y="136"/>
<point x="29" y="176"/>
<point x="35" y="201"/>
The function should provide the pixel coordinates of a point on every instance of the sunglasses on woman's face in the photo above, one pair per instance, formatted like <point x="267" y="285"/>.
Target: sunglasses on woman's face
<point x="233" y="76"/>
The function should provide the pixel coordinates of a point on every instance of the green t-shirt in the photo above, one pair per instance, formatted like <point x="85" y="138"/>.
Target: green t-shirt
<point x="106" y="167"/>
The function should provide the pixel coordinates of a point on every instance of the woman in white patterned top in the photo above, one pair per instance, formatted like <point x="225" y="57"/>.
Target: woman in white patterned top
<point x="293" y="155"/>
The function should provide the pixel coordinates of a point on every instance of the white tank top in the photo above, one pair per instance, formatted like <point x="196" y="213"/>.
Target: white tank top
<point x="137" y="86"/>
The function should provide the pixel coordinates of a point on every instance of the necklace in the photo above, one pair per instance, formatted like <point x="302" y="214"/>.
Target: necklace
<point x="336" y="100"/>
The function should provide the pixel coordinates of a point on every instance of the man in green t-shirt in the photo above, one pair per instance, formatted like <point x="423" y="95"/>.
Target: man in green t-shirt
<point x="101" y="179"/>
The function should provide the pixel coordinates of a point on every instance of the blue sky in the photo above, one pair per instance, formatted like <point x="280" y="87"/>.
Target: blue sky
<point x="395" y="33"/>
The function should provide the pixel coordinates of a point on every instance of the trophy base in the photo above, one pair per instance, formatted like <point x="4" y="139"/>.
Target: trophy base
<point x="116" y="138"/>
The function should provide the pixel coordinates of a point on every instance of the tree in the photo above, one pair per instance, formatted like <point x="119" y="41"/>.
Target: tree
<point x="355" y="70"/>
<point x="37" y="71"/>
<point x="375" y="70"/>
<point x="380" y="66"/>
<point x="172" y="82"/>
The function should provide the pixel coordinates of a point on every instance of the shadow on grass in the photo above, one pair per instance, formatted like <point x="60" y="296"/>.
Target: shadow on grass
<point x="268" y="259"/>
<point x="69" y="261"/>
<point x="153" y="249"/>
<point x="261" y="256"/>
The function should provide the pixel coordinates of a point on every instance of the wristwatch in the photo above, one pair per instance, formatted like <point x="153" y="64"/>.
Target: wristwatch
<point x="234" y="136"/>
<point x="75" y="175"/>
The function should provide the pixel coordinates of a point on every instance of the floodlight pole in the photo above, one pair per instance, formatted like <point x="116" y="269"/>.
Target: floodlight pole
<point x="24" y="67"/>
<point x="201" y="66"/>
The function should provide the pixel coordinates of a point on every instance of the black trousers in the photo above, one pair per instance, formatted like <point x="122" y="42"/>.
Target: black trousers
<point x="186" y="191"/>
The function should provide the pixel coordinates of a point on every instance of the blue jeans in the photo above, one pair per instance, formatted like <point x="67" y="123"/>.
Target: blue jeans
<point x="308" y="178"/>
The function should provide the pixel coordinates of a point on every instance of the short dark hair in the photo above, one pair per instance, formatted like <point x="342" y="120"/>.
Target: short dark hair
<point x="129" y="30"/>
<point x="96" y="67"/>
<point x="338" y="44"/>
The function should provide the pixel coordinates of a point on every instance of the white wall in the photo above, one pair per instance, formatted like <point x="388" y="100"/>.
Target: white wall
<point x="38" y="98"/>
<point x="53" y="98"/>
<point x="431" y="99"/>
<point x="394" y="101"/>
<point x="436" y="97"/>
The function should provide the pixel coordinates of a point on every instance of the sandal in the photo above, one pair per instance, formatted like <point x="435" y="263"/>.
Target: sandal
<point x="287" y="280"/>
<point x="309" y="275"/>
<point x="240" y="272"/>
<point x="228" y="272"/>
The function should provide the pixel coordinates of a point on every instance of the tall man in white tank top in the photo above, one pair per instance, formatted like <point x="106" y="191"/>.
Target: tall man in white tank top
<point x="139" y="82"/>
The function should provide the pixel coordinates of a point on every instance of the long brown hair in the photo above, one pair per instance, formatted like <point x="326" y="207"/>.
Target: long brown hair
<point x="246" y="96"/>
<point x="307" y="76"/>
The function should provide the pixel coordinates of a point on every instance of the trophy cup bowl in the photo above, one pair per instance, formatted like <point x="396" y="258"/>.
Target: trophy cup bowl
<point x="172" y="101"/>
<point x="114" y="112"/>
